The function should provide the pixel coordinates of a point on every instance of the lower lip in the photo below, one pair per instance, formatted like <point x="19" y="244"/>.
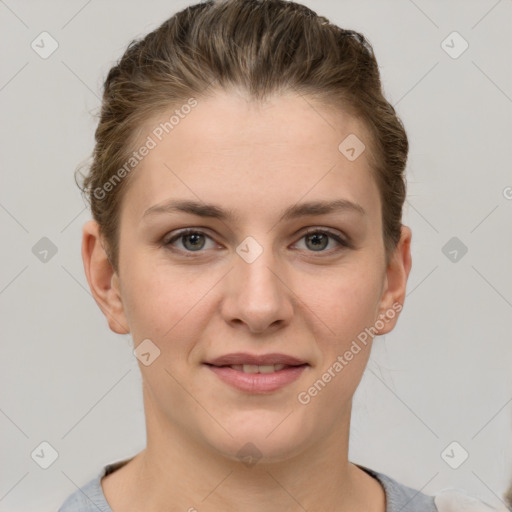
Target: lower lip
<point x="258" y="382"/>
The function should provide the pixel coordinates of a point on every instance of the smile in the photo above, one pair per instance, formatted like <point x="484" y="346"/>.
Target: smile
<point x="258" y="379"/>
<point x="254" y="368"/>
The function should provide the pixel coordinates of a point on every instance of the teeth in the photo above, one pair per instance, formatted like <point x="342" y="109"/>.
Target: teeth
<point x="267" y="368"/>
<point x="254" y="368"/>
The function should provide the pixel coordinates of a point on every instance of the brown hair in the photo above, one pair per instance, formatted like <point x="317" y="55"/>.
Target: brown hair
<point x="262" y="47"/>
<point x="508" y="497"/>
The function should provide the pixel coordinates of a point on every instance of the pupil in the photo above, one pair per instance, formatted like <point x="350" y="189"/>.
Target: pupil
<point x="316" y="237"/>
<point x="194" y="236"/>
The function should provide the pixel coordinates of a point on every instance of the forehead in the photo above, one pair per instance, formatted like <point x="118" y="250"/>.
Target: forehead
<point x="230" y="149"/>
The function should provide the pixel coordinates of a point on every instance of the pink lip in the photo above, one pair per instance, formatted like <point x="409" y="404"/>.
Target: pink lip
<point x="258" y="382"/>
<point x="264" y="359"/>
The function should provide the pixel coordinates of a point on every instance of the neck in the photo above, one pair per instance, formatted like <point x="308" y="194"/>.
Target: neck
<point x="175" y="469"/>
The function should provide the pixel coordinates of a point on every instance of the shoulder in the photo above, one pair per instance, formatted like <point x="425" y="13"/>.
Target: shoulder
<point x="90" y="497"/>
<point x="401" y="498"/>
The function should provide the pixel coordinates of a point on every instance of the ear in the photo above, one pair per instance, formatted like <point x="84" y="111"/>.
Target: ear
<point x="393" y="293"/>
<point x="103" y="280"/>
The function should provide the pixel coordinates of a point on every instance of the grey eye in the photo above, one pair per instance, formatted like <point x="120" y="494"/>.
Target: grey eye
<point x="319" y="241"/>
<point x="196" y="239"/>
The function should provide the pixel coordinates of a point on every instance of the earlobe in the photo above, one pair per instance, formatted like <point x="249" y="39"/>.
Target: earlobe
<point x="103" y="280"/>
<point x="397" y="273"/>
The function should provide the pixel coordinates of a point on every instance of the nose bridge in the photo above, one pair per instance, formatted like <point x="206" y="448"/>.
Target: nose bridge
<point x="256" y="269"/>
<point x="257" y="296"/>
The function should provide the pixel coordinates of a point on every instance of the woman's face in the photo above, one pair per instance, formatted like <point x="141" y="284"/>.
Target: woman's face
<point x="254" y="281"/>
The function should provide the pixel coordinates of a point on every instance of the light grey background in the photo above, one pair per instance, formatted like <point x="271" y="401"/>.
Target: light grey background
<point x="443" y="375"/>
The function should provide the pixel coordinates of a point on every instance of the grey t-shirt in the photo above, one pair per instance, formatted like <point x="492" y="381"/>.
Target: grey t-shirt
<point x="399" y="498"/>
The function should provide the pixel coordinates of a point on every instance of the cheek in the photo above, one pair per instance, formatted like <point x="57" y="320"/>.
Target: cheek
<point x="348" y="301"/>
<point x="347" y="310"/>
<point x="166" y="304"/>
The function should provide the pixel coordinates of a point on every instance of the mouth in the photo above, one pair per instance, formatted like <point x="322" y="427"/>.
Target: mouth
<point x="257" y="379"/>
<point x="245" y="359"/>
<point x="254" y="368"/>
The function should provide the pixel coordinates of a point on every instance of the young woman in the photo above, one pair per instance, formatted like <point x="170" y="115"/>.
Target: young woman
<point x="247" y="190"/>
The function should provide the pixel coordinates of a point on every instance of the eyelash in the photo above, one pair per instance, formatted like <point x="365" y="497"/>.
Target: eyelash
<point x="345" y="244"/>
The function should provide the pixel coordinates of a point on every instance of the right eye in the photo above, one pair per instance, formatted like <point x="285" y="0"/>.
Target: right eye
<point x="192" y="240"/>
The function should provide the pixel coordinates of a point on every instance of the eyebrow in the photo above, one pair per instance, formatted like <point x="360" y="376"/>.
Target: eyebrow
<point x="216" y="212"/>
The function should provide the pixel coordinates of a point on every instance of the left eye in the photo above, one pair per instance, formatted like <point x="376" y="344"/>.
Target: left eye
<point x="318" y="240"/>
<point x="194" y="240"/>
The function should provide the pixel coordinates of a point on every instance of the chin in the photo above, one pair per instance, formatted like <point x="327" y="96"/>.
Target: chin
<point x="256" y="443"/>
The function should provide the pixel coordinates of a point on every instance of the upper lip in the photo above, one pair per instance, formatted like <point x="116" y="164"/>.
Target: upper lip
<point x="261" y="360"/>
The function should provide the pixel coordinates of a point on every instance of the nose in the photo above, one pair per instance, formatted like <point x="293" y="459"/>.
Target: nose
<point x="257" y="294"/>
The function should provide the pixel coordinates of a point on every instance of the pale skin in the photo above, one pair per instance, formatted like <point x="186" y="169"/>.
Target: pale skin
<point x="255" y="160"/>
